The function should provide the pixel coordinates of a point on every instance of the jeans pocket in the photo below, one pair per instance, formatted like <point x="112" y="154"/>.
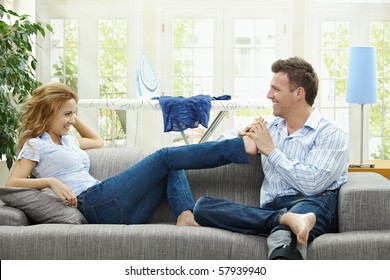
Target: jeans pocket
<point x="108" y="212"/>
<point x="329" y="201"/>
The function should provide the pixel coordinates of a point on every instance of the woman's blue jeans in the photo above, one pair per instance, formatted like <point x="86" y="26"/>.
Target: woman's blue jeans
<point x="221" y="213"/>
<point x="131" y="196"/>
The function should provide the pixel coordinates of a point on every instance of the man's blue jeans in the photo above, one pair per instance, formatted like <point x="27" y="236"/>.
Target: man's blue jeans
<point x="131" y="196"/>
<point x="220" y="213"/>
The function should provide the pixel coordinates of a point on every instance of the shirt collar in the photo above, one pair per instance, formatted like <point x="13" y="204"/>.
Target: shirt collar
<point x="46" y="136"/>
<point x="314" y="119"/>
<point x="312" y="122"/>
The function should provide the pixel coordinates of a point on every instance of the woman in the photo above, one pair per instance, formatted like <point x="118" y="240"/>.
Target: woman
<point x="57" y="161"/>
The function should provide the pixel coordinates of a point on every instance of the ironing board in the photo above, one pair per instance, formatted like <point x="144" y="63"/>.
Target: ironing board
<point x="222" y="106"/>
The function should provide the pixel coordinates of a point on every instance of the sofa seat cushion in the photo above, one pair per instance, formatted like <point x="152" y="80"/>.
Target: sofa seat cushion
<point x="42" y="206"/>
<point x="125" y="242"/>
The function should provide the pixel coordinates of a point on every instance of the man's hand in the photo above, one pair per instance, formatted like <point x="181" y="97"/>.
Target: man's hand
<point x="249" y="127"/>
<point x="260" y="135"/>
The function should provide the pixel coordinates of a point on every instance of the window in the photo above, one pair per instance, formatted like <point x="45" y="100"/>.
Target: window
<point x="254" y="53"/>
<point x="64" y="52"/>
<point x="112" y="65"/>
<point x="380" y="112"/>
<point x="192" y="58"/>
<point x="222" y="51"/>
<point x="340" y="26"/>
<point x="334" y="70"/>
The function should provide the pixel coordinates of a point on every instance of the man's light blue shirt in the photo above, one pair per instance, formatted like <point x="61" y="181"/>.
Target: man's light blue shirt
<point x="309" y="161"/>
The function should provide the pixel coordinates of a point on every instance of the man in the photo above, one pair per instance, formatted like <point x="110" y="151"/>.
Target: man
<point x="305" y="162"/>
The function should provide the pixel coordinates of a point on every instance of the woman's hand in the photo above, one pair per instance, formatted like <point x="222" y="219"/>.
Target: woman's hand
<point x="63" y="192"/>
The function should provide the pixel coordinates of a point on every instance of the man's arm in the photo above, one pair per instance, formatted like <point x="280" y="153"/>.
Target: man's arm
<point x="308" y="171"/>
<point x="323" y="166"/>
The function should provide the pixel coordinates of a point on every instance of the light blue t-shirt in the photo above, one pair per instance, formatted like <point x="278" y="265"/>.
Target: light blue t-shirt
<point x="67" y="162"/>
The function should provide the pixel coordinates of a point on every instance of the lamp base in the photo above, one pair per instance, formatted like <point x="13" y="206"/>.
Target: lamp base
<point x="362" y="164"/>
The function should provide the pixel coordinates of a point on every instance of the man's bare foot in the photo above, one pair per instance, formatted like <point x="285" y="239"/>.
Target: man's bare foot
<point x="250" y="145"/>
<point x="300" y="224"/>
<point x="186" y="218"/>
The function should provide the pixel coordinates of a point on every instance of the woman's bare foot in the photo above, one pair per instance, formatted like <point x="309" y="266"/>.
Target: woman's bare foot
<point x="250" y="145"/>
<point x="186" y="218"/>
<point x="300" y="224"/>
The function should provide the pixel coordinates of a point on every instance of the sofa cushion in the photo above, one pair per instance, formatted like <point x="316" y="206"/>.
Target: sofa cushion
<point x="353" y="245"/>
<point x="42" y="206"/>
<point x="364" y="202"/>
<point x="10" y="216"/>
<point x="128" y="242"/>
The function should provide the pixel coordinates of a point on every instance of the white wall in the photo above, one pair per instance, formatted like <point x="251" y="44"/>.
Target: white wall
<point x="3" y="173"/>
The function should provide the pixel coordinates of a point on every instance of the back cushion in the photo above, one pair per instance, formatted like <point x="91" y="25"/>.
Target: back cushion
<point x="236" y="182"/>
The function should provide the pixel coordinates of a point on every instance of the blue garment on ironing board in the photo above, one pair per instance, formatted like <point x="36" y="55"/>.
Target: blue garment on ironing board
<point x="180" y="113"/>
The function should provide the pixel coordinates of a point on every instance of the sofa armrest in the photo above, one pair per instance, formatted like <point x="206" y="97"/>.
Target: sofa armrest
<point x="364" y="202"/>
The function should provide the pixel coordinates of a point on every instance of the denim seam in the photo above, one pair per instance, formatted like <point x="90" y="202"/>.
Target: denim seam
<point x="183" y="192"/>
<point x="321" y="206"/>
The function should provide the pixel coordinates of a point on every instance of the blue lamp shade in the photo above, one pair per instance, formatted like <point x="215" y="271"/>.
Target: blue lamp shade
<point x="361" y="87"/>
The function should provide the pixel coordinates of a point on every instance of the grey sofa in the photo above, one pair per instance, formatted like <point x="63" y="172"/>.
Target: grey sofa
<point x="363" y="222"/>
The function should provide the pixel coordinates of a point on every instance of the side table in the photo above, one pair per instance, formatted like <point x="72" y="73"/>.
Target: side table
<point x="381" y="166"/>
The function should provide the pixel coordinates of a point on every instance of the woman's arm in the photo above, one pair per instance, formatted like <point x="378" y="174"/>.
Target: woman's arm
<point x="89" y="138"/>
<point x="19" y="177"/>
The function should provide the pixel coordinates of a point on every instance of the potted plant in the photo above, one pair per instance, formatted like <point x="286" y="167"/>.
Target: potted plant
<point x="17" y="73"/>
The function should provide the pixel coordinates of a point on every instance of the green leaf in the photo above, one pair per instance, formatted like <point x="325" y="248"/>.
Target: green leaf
<point x="48" y="27"/>
<point x="17" y="73"/>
